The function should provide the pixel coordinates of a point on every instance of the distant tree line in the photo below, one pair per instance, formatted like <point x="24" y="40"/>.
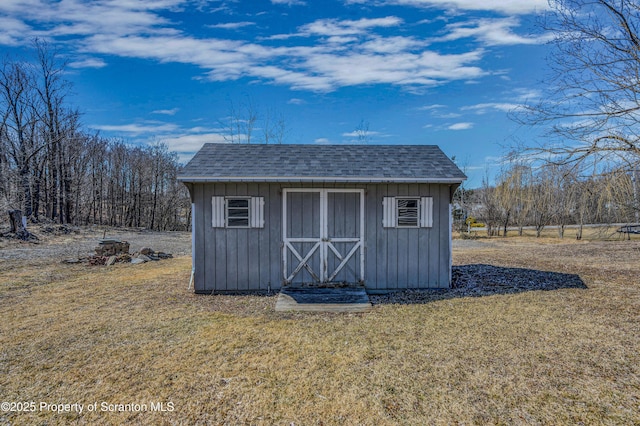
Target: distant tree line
<point x="54" y="170"/>
<point x="550" y="195"/>
<point x="585" y="167"/>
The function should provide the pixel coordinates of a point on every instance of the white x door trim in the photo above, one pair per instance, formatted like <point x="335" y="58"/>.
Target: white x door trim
<point x="324" y="243"/>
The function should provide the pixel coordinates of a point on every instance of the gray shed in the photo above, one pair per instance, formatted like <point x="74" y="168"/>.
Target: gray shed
<point x="265" y="216"/>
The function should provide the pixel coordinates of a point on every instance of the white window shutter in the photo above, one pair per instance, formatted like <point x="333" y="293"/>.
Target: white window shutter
<point x="217" y="212"/>
<point x="257" y="212"/>
<point x="426" y="212"/>
<point x="389" y="212"/>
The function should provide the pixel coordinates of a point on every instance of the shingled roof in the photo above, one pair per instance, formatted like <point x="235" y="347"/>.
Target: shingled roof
<point x="321" y="163"/>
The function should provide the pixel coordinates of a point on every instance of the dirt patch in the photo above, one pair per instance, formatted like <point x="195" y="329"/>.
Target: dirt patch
<point x="56" y="244"/>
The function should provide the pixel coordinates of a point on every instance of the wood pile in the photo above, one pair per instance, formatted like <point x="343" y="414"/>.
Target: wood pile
<point x="111" y="251"/>
<point x="110" y="247"/>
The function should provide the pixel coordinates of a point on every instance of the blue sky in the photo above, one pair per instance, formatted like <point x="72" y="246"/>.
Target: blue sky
<point x="443" y="72"/>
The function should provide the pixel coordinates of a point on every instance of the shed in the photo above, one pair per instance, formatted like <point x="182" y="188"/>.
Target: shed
<point x="266" y="216"/>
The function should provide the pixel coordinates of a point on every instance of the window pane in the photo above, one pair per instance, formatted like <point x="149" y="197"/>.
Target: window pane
<point x="407" y="221"/>
<point x="238" y="213"/>
<point x="407" y="203"/>
<point x="231" y="202"/>
<point x="238" y="222"/>
<point x="407" y="212"/>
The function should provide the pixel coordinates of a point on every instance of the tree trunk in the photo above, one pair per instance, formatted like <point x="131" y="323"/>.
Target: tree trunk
<point x="26" y="190"/>
<point x="539" y="231"/>
<point x="17" y="227"/>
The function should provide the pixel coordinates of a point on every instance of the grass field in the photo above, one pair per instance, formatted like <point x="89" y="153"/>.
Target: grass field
<point x="134" y="334"/>
<point x="589" y="233"/>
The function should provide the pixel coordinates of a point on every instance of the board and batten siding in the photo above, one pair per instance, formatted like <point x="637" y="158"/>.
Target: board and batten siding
<point x="250" y="259"/>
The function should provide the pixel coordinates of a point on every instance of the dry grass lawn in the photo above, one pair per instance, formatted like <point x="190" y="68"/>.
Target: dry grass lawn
<point x="135" y="334"/>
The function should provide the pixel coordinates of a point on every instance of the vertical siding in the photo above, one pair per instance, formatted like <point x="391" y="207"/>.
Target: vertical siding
<point x="241" y="259"/>
<point x="405" y="260"/>
<point x="262" y="277"/>
<point x="251" y="259"/>
<point x="216" y="262"/>
<point x="424" y="252"/>
<point x="274" y="228"/>
<point x="414" y="260"/>
<point x="249" y="275"/>
<point x="391" y="243"/>
<point x="434" y="239"/>
<point x="371" y="218"/>
<point x="379" y="245"/>
<point x="199" y="235"/>
<point x="444" y="237"/>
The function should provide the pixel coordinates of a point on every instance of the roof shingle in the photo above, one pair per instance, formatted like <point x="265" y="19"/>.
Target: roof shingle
<point x="320" y="163"/>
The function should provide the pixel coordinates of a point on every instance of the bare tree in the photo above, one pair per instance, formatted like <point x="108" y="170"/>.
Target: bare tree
<point x="240" y="121"/>
<point x="274" y="127"/>
<point x="520" y="177"/>
<point x="18" y="127"/>
<point x="58" y="127"/>
<point x="489" y="210"/>
<point x="592" y="106"/>
<point x="541" y="198"/>
<point x="362" y="132"/>
<point x="53" y="170"/>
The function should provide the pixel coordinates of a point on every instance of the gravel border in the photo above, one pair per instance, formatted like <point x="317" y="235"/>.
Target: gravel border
<point x="485" y="280"/>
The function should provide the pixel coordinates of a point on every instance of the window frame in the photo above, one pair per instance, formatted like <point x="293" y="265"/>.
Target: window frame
<point x="227" y="216"/>
<point x="417" y="209"/>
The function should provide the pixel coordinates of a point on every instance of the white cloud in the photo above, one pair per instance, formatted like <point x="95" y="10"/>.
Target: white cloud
<point x="485" y="107"/>
<point x="387" y="45"/>
<point x="190" y="143"/>
<point x="232" y="25"/>
<point x="334" y="53"/>
<point x="527" y="94"/>
<point x="289" y="2"/>
<point x="183" y="141"/>
<point x="356" y="134"/>
<point x="13" y="31"/>
<point x="460" y="126"/>
<point x="448" y="115"/>
<point x="88" y="63"/>
<point x="336" y="27"/>
<point x="171" y="111"/>
<point x="322" y="141"/>
<point x="500" y="6"/>
<point x="431" y="107"/>
<point x="296" y="101"/>
<point x="135" y="129"/>
<point x="492" y="32"/>
<point x="402" y="68"/>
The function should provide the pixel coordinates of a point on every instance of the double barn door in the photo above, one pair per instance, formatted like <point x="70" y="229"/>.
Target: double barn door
<point x="323" y="235"/>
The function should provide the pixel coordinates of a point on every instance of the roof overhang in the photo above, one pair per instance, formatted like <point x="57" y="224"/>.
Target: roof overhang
<point x="310" y="179"/>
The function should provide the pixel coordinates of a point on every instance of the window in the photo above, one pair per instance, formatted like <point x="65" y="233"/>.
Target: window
<point x="407" y="212"/>
<point x="237" y="212"/>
